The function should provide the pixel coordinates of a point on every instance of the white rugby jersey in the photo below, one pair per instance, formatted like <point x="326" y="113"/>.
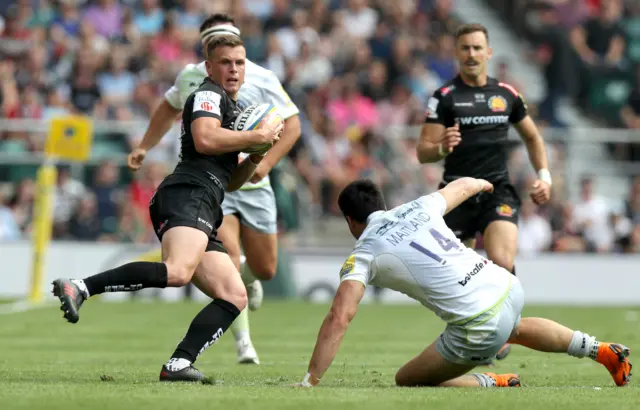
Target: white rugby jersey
<point x="260" y="85"/>
<point x="411" y="250"/>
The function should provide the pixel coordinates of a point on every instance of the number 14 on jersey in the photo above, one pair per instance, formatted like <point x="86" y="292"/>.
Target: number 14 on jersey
<point x="445" y="243"/>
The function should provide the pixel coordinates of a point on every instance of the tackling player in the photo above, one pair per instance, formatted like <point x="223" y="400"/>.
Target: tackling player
<point x="467" y="125"/>
<point x="186" y="213"/>
<point x="410" y="249"/>
<point x="250" y="213"/>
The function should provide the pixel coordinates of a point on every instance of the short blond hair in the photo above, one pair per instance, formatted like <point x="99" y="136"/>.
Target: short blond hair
<point x="223" y="41"/>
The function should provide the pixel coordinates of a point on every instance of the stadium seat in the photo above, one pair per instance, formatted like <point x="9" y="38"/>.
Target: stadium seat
<point x="608" y="94"/>
<point x="632" y="29"/>
<point x="106" y="149"/>
<point x="14" y="146"/>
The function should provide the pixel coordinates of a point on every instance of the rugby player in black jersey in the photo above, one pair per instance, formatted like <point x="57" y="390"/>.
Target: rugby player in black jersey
<point x="186" y="213"/>
<point x="466" y="124"/>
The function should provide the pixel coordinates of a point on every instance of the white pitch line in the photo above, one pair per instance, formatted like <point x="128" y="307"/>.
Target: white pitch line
<point x="22" y="306"/>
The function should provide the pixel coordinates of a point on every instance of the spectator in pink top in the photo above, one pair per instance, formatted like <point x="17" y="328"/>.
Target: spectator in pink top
<point x="352" y="108"/>
<point x="106" y="17"/>
<point x="168" y="43"/>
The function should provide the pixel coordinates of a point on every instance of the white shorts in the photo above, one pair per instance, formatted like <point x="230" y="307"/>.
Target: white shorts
<point x="256" y="208"/>
<point x="477" y="342"/>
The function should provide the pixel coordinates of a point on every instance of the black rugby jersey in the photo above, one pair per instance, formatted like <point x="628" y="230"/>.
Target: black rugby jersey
<point x="209" y="100"/>
<point x="484" y="115"/>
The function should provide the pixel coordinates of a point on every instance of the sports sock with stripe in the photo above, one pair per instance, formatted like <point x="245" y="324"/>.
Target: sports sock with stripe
<point x="583" y="345"/>
<point x="206" y="328"/>
<point x="484" y="380"/>
<point x="126" y="278"/>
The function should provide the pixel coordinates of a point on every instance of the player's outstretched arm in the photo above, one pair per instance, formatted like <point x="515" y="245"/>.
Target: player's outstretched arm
<point x="161" y="121"/>
<point x="541" y="189"/>
<point x="460" y="190"/>
<point x="343" y="310"/>
<point x="244" y="172"/>
<point x="211" y="139"/>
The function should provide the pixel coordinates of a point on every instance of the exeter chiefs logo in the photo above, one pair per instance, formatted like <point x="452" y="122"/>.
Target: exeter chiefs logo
<point x="505" y="210"/>
<point x="498" y="103"/>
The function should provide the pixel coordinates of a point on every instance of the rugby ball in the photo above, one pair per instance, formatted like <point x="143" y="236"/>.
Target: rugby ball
<point x="249" y="119"/>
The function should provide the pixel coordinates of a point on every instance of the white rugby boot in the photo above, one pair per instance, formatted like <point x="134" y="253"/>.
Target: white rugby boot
<point x="246" y="352"/>
<point x="255" y="294"/>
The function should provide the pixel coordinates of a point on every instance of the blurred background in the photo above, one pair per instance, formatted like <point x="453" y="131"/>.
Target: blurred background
<point x="361" y="72"/>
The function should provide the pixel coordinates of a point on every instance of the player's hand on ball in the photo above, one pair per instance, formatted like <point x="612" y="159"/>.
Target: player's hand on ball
<point x="135" y="158"/>
<point x="270" y="130"/>
<point x="540" y="192"/>
<point x="452" y="138"/>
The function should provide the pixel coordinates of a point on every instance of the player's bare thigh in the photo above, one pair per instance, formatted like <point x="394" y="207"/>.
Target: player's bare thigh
<point x="261" y="251"/>
<point x="229" y="235"/>
<point x="217" y="277"/>
<point x="501" y="243"/>
<point x="182" y="249"/>
<point x="429" y="368"/>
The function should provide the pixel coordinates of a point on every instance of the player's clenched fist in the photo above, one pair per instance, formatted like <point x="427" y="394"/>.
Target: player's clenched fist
<point x="450" y="140"/>
<point x="135" y="158"/>
<point x="540" y="192"/>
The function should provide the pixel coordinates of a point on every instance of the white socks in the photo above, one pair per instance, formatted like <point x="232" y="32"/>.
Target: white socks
<point x="484" y="380"/>
<point x="175" y="365"/>
<point x="583" y="345"/>
<point x="82" y="286"/>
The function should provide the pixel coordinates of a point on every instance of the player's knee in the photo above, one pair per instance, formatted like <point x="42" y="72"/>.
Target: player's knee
<point x="179" y="274"/>
<point x="403" y="380"/>
<point x="237" y="296"/>
<point x="503" y="258"/>
<point x="265" y="271"/>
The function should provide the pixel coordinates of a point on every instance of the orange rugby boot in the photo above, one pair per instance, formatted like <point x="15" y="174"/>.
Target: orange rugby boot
<point x="615" y="357"/>
<point x="505" y="380"/>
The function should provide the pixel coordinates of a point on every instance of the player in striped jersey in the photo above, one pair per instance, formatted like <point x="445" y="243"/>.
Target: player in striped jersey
<point x="250" y="213"/>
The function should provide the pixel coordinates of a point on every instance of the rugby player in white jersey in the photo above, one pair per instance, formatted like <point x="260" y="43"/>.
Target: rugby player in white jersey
<point x="410" y="249"/>
<point x="249" y="213"/>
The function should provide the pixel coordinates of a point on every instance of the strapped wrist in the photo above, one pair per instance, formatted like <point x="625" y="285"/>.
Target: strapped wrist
<point x="545" y="176"/>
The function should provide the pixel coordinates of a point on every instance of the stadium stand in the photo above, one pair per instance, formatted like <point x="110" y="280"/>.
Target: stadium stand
<point x="361" y="72"/>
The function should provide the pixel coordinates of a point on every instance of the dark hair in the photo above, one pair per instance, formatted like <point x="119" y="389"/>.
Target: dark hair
<point x="360" y="199"/>
<point x="227" y="40"/>
<point x="214" y="19"/>
<point x="465" y="29"/>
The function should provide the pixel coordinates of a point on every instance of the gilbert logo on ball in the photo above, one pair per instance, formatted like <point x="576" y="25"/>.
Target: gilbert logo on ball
<point x="250" y="118"/>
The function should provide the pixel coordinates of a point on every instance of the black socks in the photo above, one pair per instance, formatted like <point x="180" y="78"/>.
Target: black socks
<point x="206" y="328"/>
<point x="127" y="278"/>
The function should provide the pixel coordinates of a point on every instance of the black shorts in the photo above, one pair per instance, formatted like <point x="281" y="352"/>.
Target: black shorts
<point x="475" y="214"/>
<point x="187" y="204"/>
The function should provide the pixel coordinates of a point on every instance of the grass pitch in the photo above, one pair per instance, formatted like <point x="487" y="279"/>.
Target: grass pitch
<point x="111" y="360"/>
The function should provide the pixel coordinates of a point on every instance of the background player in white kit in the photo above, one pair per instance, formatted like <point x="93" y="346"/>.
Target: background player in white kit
<point x="249" y="213"/>
<point x="410" y="249"/>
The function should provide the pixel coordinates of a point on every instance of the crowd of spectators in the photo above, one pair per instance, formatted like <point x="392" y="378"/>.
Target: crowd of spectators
<point x="361" y="72"/>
